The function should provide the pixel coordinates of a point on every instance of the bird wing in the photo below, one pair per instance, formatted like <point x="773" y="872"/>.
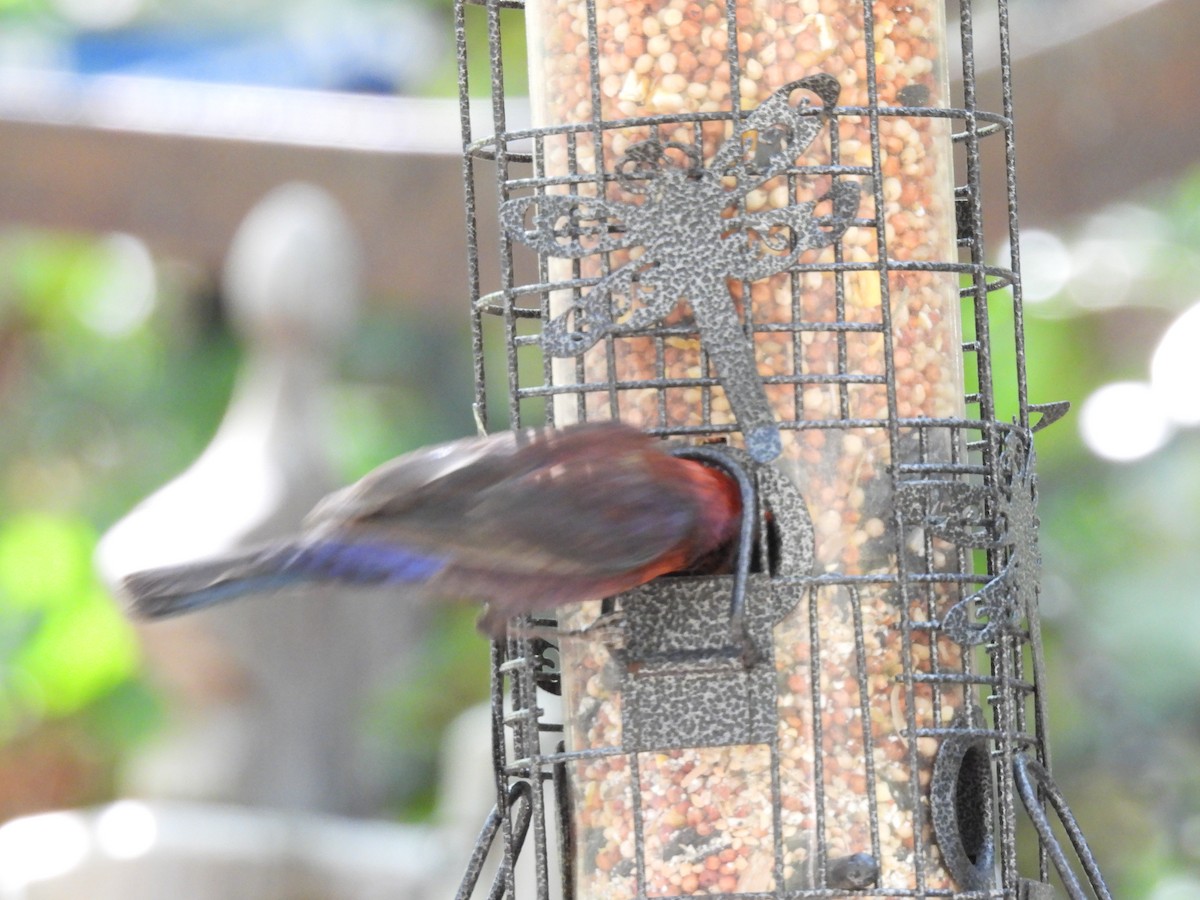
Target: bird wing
<point x="585" y="501"/>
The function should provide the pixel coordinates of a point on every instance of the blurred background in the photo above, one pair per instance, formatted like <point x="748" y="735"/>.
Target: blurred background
<point x="136" y="137"/>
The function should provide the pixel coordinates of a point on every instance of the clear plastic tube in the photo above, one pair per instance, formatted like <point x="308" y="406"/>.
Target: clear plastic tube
<point x="827" y="332"/>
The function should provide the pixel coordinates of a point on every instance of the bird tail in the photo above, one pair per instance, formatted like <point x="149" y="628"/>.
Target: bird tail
<point x="170" y="590"/>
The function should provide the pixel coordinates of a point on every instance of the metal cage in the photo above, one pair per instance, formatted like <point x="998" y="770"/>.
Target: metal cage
<point x="778" y="255"/>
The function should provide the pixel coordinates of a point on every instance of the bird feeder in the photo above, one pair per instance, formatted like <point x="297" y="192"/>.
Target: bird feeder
<point x="758" y="227"/>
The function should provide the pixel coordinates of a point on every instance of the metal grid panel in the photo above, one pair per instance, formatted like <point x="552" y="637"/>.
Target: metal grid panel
<point x="956" y="590"/>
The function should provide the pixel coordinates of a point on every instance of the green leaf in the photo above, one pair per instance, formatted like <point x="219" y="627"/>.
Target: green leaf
<point x="74" y="644"/>
<point x="80" y="653"/>
<point x="44" y="560"/>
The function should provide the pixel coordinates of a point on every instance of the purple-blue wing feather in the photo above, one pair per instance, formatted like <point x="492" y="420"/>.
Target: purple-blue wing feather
<point x="175" y="589"/>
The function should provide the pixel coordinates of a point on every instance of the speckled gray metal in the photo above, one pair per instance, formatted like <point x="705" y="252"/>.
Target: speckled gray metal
<point x="1003" y="519"/>
<point x="685" y="683"/>
<point x="961" y="798"/>
<point x="692" y="247"/>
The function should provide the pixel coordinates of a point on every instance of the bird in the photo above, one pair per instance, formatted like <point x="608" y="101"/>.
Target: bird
<point x="523" y="520"/>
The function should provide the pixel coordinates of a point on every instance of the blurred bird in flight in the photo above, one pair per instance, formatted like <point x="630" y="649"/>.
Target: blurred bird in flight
<point x="524" y="521"/>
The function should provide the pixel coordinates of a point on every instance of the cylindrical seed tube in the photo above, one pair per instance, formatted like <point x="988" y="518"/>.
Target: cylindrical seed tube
<point x="852" y="339"/>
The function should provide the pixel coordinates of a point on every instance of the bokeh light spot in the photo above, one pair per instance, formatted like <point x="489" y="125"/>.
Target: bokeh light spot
<point x="1124" y="421"/>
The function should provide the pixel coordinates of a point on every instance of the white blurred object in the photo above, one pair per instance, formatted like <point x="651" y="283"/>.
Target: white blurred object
<point x="134" y="850"/>
<point x="291" y="283"/>
<point x="1175" y="368"/>
<point x="1113" y="253"/>
<point x="1046" y="266"/>
<point x="131" y="850"/>
<point x="1176" y="887"/>
<point x="126" y="296"/>
<point x="268" y="691"/>
<point x="99" y="14"/>
<point x="1129" y="420"/>
<point x="1124" y="421"/>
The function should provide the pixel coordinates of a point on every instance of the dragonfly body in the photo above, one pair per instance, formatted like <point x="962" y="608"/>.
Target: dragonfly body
<point x="696" y="238"/>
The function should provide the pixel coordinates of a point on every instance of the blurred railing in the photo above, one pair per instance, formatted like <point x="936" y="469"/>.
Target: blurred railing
<point x="179" y="164"/>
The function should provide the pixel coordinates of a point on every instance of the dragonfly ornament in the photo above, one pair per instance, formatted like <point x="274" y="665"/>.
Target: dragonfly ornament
<point x="695" y="238"/>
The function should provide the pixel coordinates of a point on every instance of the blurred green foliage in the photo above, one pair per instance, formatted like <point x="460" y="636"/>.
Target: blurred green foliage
<point x="74" y="646"/>
<point x="1120" y="576"/>
<point x="511" y="23"/>
<point x="19" y="9"/>
<point x="101" y="410"/>
<point x="93" y="421"/>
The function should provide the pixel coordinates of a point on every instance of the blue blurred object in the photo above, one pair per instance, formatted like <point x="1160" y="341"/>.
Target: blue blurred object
<point x="353" y="53"/>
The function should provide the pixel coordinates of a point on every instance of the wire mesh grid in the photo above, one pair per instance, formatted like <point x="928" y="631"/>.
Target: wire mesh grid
<point x="890" y="736"/>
